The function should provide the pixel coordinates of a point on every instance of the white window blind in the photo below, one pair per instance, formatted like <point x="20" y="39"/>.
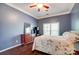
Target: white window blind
<point x="46" y="29"/>
<point x="51" y="29"/>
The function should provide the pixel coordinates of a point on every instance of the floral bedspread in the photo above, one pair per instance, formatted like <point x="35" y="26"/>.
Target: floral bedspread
<point x="56" y="45"/>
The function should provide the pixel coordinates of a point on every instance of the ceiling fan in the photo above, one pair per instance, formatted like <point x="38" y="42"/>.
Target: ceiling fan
<point x="40" y="6"/>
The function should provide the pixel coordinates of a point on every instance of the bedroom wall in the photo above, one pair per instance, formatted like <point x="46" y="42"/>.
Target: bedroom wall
<point x="75" y="17"/>
<point x="64" y="21"/>
<point x="75" y="21"/>
<point x="11" y="25"/>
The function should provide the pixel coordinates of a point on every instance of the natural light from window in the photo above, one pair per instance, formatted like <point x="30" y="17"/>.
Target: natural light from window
<point x="51" y="29"/>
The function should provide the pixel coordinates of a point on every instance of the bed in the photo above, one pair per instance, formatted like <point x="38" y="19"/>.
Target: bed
<point x="56" y="45"/>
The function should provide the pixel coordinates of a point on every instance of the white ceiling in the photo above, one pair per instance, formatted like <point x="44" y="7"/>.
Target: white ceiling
<point x="55" y="9"/>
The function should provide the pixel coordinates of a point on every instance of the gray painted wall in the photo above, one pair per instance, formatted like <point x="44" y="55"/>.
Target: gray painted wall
<point x="11" y="25"/>
<point x="75" y="17"/>
<point x="75" y="21"/>
<point x="64" y="21"/>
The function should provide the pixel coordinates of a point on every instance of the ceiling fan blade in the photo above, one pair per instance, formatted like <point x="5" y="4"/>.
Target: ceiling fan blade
<point x="32" y="5"/>
<point x="46" y="6"/>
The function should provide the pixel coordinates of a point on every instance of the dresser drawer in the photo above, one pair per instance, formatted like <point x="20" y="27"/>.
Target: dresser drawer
<point x="25" y="39"/>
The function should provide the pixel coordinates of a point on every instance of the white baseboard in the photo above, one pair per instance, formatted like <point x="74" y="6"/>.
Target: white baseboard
<point x="10" y="48"/>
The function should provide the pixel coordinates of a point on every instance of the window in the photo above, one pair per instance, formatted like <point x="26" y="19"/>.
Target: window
<point x="46" y="29"/>
<point x="51" y="29"/>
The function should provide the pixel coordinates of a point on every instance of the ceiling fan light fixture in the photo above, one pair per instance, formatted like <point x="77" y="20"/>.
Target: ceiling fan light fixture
<point x="39" y="5"/>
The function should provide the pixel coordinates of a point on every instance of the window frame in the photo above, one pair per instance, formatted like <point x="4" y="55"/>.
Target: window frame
<point x="50" y="30"/>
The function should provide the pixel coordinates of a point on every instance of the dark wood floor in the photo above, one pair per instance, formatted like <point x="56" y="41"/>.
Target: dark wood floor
<point x="25" y="50"/>
<point x="22" y="50"/>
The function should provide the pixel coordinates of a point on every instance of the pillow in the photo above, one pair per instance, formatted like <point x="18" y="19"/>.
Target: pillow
<point x="66" y="34"/>
<point x="71" y="35"/>
<point x="75" y="32"/>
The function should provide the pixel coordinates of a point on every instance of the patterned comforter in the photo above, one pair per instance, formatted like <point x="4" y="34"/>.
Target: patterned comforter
<point x="56" y="45"/>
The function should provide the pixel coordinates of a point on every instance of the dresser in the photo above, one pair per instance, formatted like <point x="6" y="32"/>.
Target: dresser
<point x="26" y="39"/>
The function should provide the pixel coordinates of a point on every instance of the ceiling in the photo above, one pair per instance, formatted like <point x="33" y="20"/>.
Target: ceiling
<point x="55" y="9"/>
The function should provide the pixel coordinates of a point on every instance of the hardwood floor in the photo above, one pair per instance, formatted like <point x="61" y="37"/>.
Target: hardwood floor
<point x="26" y="50"/>
<point x="22" y="50"/>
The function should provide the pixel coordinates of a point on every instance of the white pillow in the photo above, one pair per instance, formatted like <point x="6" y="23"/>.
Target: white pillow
<point x="71" y="35"/>
<point x="66" y="34"/>
<point x="75" y="32"/>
